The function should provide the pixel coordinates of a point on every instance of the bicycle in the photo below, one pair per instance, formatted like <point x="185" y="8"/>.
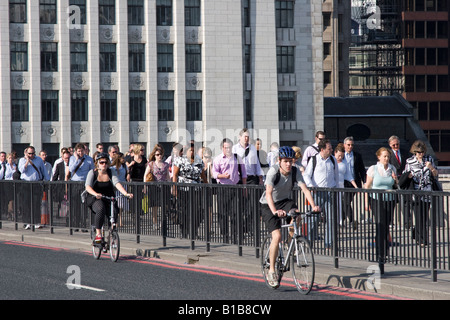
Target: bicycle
<point x="299" y="255"/>
<point x="112" y="242"/>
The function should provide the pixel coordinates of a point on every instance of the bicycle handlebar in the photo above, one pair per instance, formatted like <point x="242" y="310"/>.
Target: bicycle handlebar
<point x="293" y="213"/>
<point x="114" y="198"/>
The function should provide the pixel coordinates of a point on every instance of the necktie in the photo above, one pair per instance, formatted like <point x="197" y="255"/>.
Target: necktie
<point x="396" y="155"/>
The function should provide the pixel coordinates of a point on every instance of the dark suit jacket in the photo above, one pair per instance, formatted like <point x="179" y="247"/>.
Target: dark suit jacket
<point x="59" y="172"/>
<point x="398" y="166"/>
<point x="359" y="171"/>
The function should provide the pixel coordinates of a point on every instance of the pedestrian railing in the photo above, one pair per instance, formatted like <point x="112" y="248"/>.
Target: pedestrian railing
<point x="397" y="227"/>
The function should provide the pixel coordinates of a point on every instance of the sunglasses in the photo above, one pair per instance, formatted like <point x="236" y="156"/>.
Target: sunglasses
<point x="419" y="151"/>
<point x="103" y="162"/>
<point x="158" y="154"/>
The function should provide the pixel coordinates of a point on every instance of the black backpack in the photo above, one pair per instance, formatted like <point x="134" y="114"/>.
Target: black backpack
<point x="294" y="176"/>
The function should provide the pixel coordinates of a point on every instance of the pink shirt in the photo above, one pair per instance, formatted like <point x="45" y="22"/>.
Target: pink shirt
<point x="223" y="164"/>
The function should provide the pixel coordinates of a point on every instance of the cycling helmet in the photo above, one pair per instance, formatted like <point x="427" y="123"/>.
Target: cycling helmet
<point x="286" y="152"/>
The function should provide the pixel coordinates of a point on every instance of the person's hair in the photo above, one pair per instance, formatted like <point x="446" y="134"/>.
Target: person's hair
<point x="243" y="131"/>
<point x="157" y="147"/>
<point x="206" y="151"/>
<point x="118" y="161"/>
<point x="391" y="138"/>
<point x="225" y="140"/>
<point x="382" y="149"/>
<point x="298" y="152"/>
<point x="348" y="139"/>
<point x="339" y="148"/>
<point x="323" y="144"/>
<point x="137" y="148"/>
<point x="103" y="155"/>
<point x="418" y="145"/>
<point x="320" y="133"/>
<point x="79" y="146"/>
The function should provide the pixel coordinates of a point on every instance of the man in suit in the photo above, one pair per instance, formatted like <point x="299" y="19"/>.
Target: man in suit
<point x="355" y="165"/>
<point x="397" y="160"/>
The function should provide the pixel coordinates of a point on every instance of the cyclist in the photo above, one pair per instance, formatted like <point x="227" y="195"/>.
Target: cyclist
<point x="102" y="181"/>
<point x="275" y="201"/>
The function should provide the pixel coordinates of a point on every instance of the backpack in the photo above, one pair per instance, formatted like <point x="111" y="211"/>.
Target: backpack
<point x="294" y="176"/>
<point x="315" y="163"/>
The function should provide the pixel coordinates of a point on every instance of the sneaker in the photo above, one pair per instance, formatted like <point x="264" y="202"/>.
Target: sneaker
<point x="98" y="238"/>
<point x="38" y="226"/>
<point x="272" y="279"/>
<point x="27" y="227"/>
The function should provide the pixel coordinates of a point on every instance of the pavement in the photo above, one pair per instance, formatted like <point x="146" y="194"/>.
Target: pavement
<point x="400" y="281"/>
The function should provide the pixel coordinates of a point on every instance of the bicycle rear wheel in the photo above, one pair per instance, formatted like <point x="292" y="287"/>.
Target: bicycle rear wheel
<point x="265" y="261"/>
<point x="302" y="264"/>
<point x="114" y="245"/>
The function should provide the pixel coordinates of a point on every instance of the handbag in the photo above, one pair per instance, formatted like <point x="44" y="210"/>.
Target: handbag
<point x="149" y="176"/>
<point x="435" y="184"/>
<point x="64" y="210"/>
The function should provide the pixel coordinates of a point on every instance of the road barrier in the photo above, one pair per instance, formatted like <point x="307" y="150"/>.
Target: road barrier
<point x="398" y="227"/>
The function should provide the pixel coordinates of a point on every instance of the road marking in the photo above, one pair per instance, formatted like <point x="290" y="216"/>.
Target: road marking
<point x="80" y="286"/>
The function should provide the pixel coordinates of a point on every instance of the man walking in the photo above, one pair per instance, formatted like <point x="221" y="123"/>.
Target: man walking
<point x="322" y="172"/>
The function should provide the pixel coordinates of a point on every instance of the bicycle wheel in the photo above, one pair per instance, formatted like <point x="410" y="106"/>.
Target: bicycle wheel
<point x="96" y="247"/>
<point x="114" y="245"/>
<point x="302" y="264"/>
<point x="265" y="261"/>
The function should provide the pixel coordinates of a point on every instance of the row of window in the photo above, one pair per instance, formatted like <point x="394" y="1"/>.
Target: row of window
<point x="137" y="105"/>
<point x="425" y="5"/>
<point x="284" y="12"/>
<point x="426" y="29"/>
<point x="426" y="56"/>
<point x="108" y="57"/>
<point x="107" y="12"/>
<point x="108" y="105"/>
<point x="433" y="110"/>
<point x="426" y="83"/>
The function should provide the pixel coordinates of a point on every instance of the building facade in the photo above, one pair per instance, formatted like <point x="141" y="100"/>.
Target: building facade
<point x="159" y="71"/>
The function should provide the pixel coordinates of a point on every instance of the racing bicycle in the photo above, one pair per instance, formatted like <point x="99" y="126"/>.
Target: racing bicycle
<point x="299" y="257"/>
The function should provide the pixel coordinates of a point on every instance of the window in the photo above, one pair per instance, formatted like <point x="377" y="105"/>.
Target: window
<point x="420" y="5"/>
<point x="108" y="105"/>
<point x="285" y="59"/>
<point x="136" y="12"/>
<point x="248" y="58"/>
<point x="326" y="16"/>
<point x="420" y="56"/>
<point x="442" y="56"/>
<point x="431" y="56"/>
<point x="49" y="56"/>
<point x="79" y="105"/>
<point x="193" y="58"/>
<point x="442" y="83"/>
<point x="137" y="105"/>
<point x="420" y="83"/>
<point x="192" y="13"/>
<point x="284" y="13"/>
<point x="326" y="49"/>
<point x="107" y="12"/>
<point x="82" y="5"/>
<point x="194" y="105"/>
<point x="107" y="57"/>
<point x="19" y="56"/>
<point x="165" y="57"/>
<point x="78" y="57"/>
<point x="326" y="78"/>
<point x="163" y="12"/>
<point x="18" y="11"/>
<point x="286" y="106"/>
<point x="165" y="106"/>
<point x="248" y="106"/>
<point x="19" y="105"/>
<point x="246" y="13"/>
<point x="53" y="151"/>
<point x="431" y="83"/>
<point x="49" y="103"/>
<point x="47" y="11"/>
<point x="431" y="29"/>
<point x="420" y="29"/>
<point x="442" y="29"/>
<point x="136" y="57"/>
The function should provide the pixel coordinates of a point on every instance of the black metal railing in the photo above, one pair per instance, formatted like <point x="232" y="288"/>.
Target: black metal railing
<point x="398" y="227"/>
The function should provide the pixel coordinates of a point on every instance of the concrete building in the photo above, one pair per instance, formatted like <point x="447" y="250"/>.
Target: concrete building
<point x="118" y="71"/>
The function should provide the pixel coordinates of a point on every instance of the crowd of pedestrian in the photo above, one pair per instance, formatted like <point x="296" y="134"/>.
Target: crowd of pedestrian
<point x="245" y="162"/>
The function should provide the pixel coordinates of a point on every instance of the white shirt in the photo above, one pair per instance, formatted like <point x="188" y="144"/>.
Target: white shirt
<point x="326" y="175"/>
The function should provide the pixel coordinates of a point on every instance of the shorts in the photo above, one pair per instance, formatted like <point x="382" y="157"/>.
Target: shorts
<point x="274" y="222"/>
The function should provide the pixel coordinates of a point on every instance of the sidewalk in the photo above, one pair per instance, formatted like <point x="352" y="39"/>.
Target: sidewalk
<point x="401" y="281"/>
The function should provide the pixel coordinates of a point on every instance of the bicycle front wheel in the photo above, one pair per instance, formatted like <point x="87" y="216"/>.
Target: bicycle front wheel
<point x="114" y="246"/>
<point x="302" y="264"/>
<point x="96" y="247"/>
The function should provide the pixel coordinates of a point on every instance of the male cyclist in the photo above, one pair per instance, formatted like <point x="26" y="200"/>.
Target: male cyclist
<point x="275" y="201"/>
